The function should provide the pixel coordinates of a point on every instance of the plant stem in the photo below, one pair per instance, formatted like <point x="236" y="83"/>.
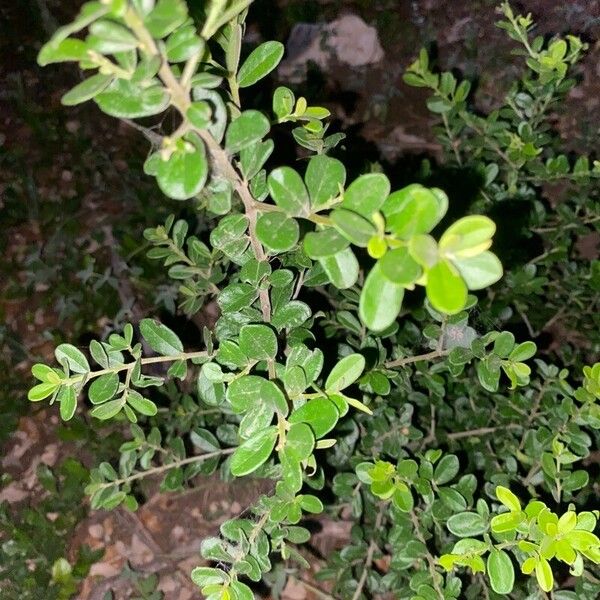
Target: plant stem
<point x="400" y="362"/>
<point x="168" y="467"/>
<point x="369" y="557"/>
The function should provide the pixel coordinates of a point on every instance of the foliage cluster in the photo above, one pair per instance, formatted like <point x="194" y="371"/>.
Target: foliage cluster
<point x="458" y="467"/>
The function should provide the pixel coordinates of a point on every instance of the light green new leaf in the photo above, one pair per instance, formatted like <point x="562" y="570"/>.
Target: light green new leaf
<point x="324" y="177"/>
<point x="345" y="373"/>
<point x="41" y="391"/>
<point x="45" y="373"/>
<point x="367" y="194"/>
<point x="277" y="232"/>
<point x="184" y="173"/>
<point x="380" y="300"/>
<point x="353" y="226"/>
<point x="253" y="452"/>
<point x="87" y="89"/>
<point x="500" y="571"/>
<point x="258" y="342"/>
<point x="321" y="414"/>
<point x="260" y="63"/>
<point x="103" y="388"/>
<point x="76" y="360"/>
<point x="400" y="267"/>
<point x="320" y="244"/>
<point x="250" y="127"/>
<point x="283" y="102"/>
<point x="413" y="210"/>
<point x="289" y="192"/>
<point x="166" y="16"/>
<point x="469" y="236"/>
<point x="160" y="338"/>
<point x="110" y="37"/>
<point x="445" y="288"/>
<point x="508" y="498"/>
<point x="68" y="402"/>
<point x="543" y="574"/>
<point x="479" y="271"/>
<point x="342" y="268"/>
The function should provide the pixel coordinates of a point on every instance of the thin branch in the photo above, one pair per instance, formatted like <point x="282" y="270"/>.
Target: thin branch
<point x="369" y="558"/>
<point x="400" y="362"/>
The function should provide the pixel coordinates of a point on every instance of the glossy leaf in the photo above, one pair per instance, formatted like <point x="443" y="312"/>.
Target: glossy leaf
<point x="341" y="268"/>
<point x="345" y="373"/>
<point x="277" y="232"/>
<point x="479" y="271"/>
<point x="288" y="191"/>
<point x="380" y="300"/>
<point x="73" y="357"/>
<point x="366" y="194"/>
<point x="260" y="63"/>
<point x="324" y="178"/>
<point x="160" y="338"/>
<point x="68" y="402"/>
<point x="500" y="571"/>
<point x="446" y="290"/>
<point x="320" y="244"/>
<point x="258" y="342"/>
<point x="86" y="90"/>
<point x="253" y="452"/>
<point x="400" y="267"/>
<point x="353" y="226"/>
<point x="103" y="388"/>
<point x="321" y="414"/>
<point x="247" y="129"/>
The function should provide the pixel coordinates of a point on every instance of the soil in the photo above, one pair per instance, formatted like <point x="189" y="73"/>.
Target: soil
<point x="77" y="164"/>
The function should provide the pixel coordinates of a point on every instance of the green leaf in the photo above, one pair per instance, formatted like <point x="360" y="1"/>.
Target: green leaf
<point x="166" y="16"/>
<point x="250" y="127"/>
<point x="321" y="414"/>
<point x="523" y="351"/>
<point x="258" y="342"/>
<point x="345" y="373"/>
<point x="543" y="574"/>
<point x="125" y="100"/>
<point x="45" y="373"/>
<point x="311" y="504"/>
<point x="41" y="391"/>
<point x="160" y="338"/>
<point x="353" y="226"/>
<point x="283" y="102"/>
<point x="290" y="315"/>
<point x="73" y="357"/>
<point x="423" y="248"/>
<point x="324" y="178"/>
<point x="64" y="50"/>
<point x="488" y="376"/>
<point x="413" y="210"/>
<point x="184" y="173"/>
<point x="183" y="44"/>
<point x="68" y="402"/>
<point x="467" y="524"/>
<point x="479" y="271"/>
<point x="243" y="392"/>
<point x="500" y="571"/>
<point x="103" y="388"/>
<point x="199" y="114"/>
<point x="141" y="404"/>
<point x="299" y="442"/>
<point x="253" y="452"/>
<point x="446" y="290"/>
<point x="341" y="268"/>
<point x="277" y="232"/>
<point x="366" y="194"/>
<point x="467" y="237"/>
<point x="289" y="192"/>
<point x="446" y="469"/>
<point x="236" y="296"/>
<point x="110" y="37"/>
<point x="380" y="300"/>
<point x="87" y="89"/>
<point x="400" y="267"/>
<point x="320" y="244"/>
<point x="253" y="158"/>
<point x="203" y="576"/>
<point x="504" y="343"/>
<point x="260" y="63"/>
<point x="107" y="410"/>
<point x="508" y="498"/>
